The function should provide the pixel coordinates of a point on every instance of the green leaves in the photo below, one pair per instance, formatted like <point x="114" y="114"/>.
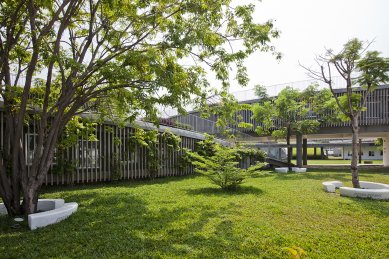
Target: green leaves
<point x="220" y="163"/>
<point x="299" y="111"/>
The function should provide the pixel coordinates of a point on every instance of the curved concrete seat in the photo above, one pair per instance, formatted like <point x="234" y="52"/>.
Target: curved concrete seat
<point x="330" y="186"/>
<point x="281" y="170"/>
<point x="43" y="205"/>
<point x="299" y="169"/>
<point x="50" y="204"/>
<point x="42" y="219"/>
<point x="376" y="194"/>
<point x="372" y="185"/>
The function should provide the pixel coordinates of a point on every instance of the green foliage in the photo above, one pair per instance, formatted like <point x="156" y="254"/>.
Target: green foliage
<point x="116" y="168"/>
<point x="379" y="142"/>
<point x="358" y="67"/>
<point x="150" y="141"/>
<point x="294" y="109"/>
<point x="261" y="91"/>
<point x="172" y="141"/>
<point x="206" y="147"/>
<point x="220" y="163"/>
<point x="76" y="129"/>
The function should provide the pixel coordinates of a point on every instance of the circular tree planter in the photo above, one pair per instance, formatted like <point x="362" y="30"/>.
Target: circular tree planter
<point x="375" y="191"/>
<point x="52" y="211"/>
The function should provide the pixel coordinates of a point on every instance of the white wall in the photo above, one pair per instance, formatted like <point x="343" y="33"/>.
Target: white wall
<point x="365" y="153"/>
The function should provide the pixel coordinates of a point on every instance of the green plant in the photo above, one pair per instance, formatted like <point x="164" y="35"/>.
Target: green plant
<point x="220" y="163"/>
<point x="116" y="169"/>
<point x="221" y="168"/>
<point x="64" y="167"/>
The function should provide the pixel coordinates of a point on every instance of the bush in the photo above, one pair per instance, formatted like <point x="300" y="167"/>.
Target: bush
<point x="220" y="164"/>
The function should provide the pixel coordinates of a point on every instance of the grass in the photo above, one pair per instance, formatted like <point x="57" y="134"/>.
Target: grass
<point x="335" y="162"/>
<point x="189" y="217"/>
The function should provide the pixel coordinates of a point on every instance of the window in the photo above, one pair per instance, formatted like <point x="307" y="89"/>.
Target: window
<point x="371" y="153"/>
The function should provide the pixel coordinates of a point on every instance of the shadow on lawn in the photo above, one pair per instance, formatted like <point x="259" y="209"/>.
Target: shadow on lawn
<point x="216" y="191"/>
<point x="343" y="175"/>
<point x="118" y="224"/>
<point x="315" y="176"/>
<point x="120" y="183"/>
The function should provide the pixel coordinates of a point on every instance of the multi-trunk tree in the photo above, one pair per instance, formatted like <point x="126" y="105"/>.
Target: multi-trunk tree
<point x="59" y="59"/>
<point x="362" y="71"/>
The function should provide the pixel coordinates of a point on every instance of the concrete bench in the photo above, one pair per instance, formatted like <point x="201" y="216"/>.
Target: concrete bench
<point x="42" y="219"/>
<point x="299" y="169"/>
<point x="330" y="186"/>
<point x="50" y="204"/>
<point x="376" y="194"/>
<point x="43" y="205"/>
<point x="373" y="185"/>
<point x="283" y="170"/>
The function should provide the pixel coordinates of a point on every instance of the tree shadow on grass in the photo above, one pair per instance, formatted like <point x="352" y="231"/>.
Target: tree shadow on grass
<point x="120" y="183"/>
<point x="121" y="224"/>
<point x="314" y="176"/>
<point x="216" y="191"/>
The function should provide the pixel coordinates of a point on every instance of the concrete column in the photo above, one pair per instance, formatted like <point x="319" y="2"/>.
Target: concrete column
<point x="385" y="155"/>
<point x="305" y="153"/>
<point x="299" y="150"/>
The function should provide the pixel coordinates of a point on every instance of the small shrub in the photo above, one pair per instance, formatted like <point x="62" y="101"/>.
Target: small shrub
<point x="220" y="164"/>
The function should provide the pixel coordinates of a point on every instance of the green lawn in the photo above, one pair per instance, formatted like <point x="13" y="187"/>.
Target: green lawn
<point x="335" y="162"/>
<point x="189" y="217"/>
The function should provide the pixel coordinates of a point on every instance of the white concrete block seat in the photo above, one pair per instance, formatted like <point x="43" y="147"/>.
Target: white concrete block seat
<point x="43" y="219"/>
<point x="51" y="211"/>
<point x="330" y="186"/>
<point x="299" y="169"/>
<point x="375" y="191"/>
<point x="373" y="185"/>
<point x="283" y="170"/>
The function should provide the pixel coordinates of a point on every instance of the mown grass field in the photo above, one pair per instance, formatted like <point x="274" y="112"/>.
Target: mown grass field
<point x="189" y="217"/>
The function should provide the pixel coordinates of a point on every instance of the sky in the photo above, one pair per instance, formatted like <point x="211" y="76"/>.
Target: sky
<point x="308" y="27"/>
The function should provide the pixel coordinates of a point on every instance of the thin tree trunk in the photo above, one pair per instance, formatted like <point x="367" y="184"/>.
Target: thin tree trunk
<point x="290" y="150"/>
<point x="299" y="150"/>
<point x="354" y="159"/>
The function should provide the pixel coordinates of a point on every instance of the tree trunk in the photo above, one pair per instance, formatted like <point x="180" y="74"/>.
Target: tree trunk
<point x="30" y="199"/>
<point x="299" y="150"/>
<point x="305" y="153"/>
<point x="354" y="159"/>
<point x="290" y="150"/>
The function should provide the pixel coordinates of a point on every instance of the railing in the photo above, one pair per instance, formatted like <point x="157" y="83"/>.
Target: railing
<point x="274" y="90"/>
<point x="202" y="125"/>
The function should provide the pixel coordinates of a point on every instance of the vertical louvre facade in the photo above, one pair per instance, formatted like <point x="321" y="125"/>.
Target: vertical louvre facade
<point x="92" y="160"/>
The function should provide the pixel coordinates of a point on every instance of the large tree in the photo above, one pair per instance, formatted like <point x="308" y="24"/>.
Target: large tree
<point x="362" y="71"/>
<point x="291" y="112"/>
<point x="57" y="56"/>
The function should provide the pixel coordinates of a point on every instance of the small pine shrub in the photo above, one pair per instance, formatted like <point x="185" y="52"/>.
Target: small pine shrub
<point x="220" y="165"/>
